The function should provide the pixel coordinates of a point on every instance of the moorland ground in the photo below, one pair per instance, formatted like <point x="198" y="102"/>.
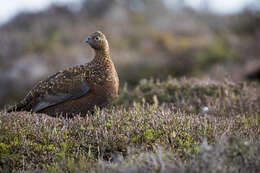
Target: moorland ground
<point x="186" y="125"/>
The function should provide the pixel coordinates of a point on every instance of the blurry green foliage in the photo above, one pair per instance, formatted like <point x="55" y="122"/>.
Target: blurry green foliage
<point x="47" y="44"/>
<point x="217" y="52"/>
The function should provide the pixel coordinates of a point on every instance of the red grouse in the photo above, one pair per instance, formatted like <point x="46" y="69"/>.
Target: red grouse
<point x="77" y="89"/>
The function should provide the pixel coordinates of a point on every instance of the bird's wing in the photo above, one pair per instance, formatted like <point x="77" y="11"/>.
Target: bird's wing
<point x="54" y="99"/>
<point x="62" y="86"/>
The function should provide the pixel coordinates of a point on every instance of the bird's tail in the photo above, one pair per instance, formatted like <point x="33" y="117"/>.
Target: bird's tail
<point x="16" y="108"/>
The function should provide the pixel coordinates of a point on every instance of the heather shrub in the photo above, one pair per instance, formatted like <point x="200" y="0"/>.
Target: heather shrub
<point x="186" y="125"/>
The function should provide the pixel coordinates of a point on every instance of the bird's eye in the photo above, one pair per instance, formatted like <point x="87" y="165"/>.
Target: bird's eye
<point x="97" y="38"/>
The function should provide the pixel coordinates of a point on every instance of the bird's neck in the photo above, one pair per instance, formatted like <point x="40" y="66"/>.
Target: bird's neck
<point x="102" y="55"/>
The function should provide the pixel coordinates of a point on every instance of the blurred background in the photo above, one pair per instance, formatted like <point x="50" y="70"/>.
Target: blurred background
<point x="148" y="38"/>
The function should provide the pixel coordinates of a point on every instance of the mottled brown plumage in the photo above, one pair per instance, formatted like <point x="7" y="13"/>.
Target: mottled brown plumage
<point x="78" y="89"/>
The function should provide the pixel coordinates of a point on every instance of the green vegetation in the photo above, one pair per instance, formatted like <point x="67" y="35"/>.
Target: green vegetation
<point x="160" y="126"/>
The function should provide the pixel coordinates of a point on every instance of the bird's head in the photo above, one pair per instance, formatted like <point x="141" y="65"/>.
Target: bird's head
<point x="97" y="40"/>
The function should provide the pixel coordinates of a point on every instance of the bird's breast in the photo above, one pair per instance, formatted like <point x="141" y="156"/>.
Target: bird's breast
<point x="105" y="79"/>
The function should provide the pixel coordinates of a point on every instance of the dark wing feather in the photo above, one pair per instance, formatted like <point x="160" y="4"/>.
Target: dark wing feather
<point x="60" y="87"/>
<point x="50" y="100"/>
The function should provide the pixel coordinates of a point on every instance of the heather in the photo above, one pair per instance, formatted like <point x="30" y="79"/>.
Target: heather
<point x="185" y="125"/>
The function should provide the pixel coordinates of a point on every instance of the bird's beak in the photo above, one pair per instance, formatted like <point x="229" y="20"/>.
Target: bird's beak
<point x="87" y="39"/>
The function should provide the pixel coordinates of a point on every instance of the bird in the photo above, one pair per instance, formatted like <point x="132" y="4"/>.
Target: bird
<point x="78" y="89"/>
